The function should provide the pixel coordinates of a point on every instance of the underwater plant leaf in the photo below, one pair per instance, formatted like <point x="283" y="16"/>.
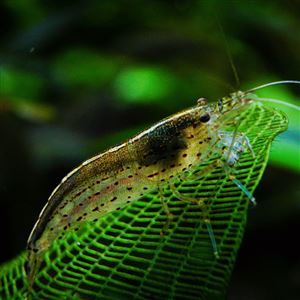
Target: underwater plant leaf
<point x="13" y="279"/>
<point x="138" y="252"/>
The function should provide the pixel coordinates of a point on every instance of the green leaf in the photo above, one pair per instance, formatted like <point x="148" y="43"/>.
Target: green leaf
<point x="139" y="253"/>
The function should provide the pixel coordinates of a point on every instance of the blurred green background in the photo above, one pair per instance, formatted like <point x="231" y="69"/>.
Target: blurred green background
<point x="77" y="77"/>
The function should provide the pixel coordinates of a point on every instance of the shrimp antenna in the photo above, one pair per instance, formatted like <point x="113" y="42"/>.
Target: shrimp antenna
<point x="228" y="52"/>
<point x="273" y="83"/>
<point x="293" y="106"/>
<point x="290" y="105"/>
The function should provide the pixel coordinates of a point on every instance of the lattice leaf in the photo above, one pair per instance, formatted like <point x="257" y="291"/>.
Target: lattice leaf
<point x="140" y="253"/>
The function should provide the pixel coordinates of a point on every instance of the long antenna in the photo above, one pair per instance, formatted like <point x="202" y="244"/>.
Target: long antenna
<point x="229" y="55"/>
<point x="273" y="83"/>
<point x="290" y="105"/>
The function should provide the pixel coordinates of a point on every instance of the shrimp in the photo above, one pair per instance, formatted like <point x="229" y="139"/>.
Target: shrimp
<point x="168" y="151"/>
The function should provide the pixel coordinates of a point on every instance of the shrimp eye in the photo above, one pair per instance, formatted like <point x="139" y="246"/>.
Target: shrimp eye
<point x="205" y="118"/>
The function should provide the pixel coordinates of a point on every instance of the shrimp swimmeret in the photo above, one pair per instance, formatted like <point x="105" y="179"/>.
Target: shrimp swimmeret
<point x="169" y="151"/>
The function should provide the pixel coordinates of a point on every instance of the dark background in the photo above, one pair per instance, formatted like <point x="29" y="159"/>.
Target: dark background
<point x="78" y="77"/>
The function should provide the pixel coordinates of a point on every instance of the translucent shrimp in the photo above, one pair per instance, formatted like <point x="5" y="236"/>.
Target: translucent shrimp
<point x="169" y="151"/>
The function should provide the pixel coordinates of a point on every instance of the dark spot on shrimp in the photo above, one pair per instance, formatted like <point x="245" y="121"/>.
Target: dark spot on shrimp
<point x="113" y="199"/>
<point x="164" y="142"/>
<point x="79" y="193"/>
<point x="152" y="175"/>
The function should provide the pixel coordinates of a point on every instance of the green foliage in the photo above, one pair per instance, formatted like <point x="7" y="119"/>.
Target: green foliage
<point x="138" y="253"/>
<point x="18" y="84"/>
<point x="136" y="84"/>
<point x="84" y="68"/>
<point x="13" y="282"/>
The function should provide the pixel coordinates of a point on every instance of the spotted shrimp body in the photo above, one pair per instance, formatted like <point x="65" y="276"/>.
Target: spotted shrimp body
<point x="111" y="180"/>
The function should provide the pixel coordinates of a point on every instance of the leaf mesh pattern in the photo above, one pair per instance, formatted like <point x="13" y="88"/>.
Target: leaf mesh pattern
<point x="138" y="252"/>
<point x="13" y="282"/>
